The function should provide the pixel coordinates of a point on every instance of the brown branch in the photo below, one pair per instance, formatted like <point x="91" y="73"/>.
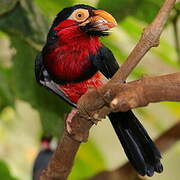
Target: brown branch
<point x="176" y="32"/>
<point x="63" y="158"/>
<point x="153" y="89"/>
<point x="95" y="101"/>
<point x="149" y="38"/>
<point x="116" y="97"/>
<point x="60" y="165"/>
<point x="126" y="172"/>
<point x="144" y="91"/>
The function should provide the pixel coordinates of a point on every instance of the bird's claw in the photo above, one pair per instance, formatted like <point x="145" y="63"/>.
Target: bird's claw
<point x="69" y="120"/>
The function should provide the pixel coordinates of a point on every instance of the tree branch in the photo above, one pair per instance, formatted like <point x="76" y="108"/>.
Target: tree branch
<point x="144" y="91"/>
<point x="63" y="158"/>
<point x="95" y="104"/>
<point x="61" y="162"/>
<point x="176" y="32"/>
<point x="149" y="39"/>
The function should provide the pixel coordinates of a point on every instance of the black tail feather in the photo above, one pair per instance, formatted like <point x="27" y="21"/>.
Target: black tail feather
<point x="138" y="146"/>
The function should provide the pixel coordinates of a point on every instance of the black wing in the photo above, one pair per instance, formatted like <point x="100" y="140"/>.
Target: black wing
<point x="44" y="79"/>
<point x="105" y="62"/>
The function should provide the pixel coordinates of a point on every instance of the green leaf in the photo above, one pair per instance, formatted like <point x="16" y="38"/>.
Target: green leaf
<point x="5" y="173"/>
<point x="26" y="22"/>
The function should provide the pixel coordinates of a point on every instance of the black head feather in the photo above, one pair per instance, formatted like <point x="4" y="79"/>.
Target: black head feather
<point x="66" y="12"/>
<point x="63" y="15"/>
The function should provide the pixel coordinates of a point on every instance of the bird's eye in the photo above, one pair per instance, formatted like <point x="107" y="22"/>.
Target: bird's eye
<point x="79" y="15"/>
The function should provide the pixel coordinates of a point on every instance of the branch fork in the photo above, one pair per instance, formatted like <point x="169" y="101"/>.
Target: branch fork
<point x="115" y="96"/>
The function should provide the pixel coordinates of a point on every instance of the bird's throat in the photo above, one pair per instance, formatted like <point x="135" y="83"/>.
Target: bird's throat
<point x="68" y="60"/>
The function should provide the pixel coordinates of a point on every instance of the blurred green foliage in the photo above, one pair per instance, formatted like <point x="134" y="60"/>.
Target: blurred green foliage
<point x="7" y="98"/>
<point x="88" y="158"/>
<point x="144" y="10"/>
<point x="24" y="25"/>
<point x="4" y="172"/>
<point x="25" y="35"/>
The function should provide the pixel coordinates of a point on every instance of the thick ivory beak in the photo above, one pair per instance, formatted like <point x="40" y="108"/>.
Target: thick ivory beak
<point x="102" y="20"/>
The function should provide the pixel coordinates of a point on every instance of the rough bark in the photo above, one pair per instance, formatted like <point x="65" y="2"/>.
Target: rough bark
<point x="115" y="96"/>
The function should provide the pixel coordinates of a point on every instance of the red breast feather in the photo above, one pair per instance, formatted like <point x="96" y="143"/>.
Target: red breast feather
<point x="68" y="59"/>
<point x="75" y="90"/>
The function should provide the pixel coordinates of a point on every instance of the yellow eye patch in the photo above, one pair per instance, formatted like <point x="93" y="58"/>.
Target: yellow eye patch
<point x="79" y="15"/>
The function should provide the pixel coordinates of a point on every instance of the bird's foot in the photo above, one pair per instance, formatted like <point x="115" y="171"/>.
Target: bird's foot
<point x="69" y="120"/>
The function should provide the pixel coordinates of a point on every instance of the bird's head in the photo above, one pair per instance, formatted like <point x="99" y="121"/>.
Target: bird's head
<point x="83" y="18"/>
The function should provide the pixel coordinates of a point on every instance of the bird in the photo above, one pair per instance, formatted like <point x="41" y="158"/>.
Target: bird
<point x="43" y="157"/>
<point x="74" y="59"/>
